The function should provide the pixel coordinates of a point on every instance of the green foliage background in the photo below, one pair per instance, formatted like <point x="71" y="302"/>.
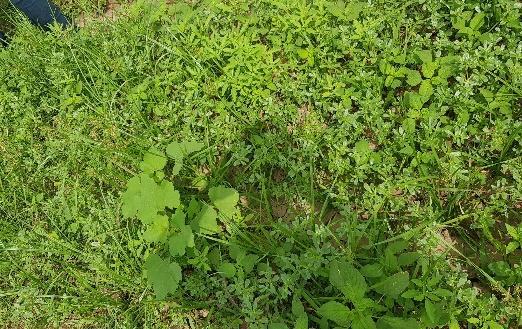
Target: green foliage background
<point x="365" y="120"/>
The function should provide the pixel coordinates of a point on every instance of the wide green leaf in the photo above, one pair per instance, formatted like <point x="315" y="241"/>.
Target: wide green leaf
<point x="301" y="322"/>
<point x="178" y="150"/>
<point x="153" y="160"/>
<point x="206" y="221"/>
<point x="225" y="199"/>
<point x="297" y="307"/>
<point x="157" y="230"/>
<point x="336" y="312"/>
<point x="179" y="241"/>
<point x="433" y="311"/>
<point x="348" y="279"/>
<point x="144" y="198"/>
<point x="393" y="285"/>
<point x="424" y="56"/>
<point x="413" y="77"/>
<point x="227" y="270"/>
<point x="363" y="321"/>
<point x="162" y="275"/>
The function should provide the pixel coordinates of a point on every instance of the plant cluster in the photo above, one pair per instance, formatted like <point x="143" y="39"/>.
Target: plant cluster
<point x="357" y="164"/>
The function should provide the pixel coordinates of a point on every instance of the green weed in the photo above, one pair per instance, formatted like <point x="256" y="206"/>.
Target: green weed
<point x="357" y="165"/>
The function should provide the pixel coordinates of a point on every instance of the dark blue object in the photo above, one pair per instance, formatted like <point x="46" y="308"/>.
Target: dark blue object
<point x="41" y="12"/>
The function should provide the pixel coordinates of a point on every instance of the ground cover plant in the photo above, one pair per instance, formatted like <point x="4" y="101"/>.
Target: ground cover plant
<point x="264" y="164"/>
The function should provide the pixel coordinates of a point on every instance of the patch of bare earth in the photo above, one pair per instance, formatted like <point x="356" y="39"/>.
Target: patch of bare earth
<point x="111" y="13"/>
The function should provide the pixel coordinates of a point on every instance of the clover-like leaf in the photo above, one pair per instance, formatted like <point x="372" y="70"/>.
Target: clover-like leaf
<point x="162" y="275"/>
<point x="225" y="199"/>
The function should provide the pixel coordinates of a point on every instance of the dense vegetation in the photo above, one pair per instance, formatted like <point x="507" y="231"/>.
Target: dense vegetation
<point x="264" y="164"/>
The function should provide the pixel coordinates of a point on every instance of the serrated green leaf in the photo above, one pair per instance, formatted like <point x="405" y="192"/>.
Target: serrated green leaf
<point x="336" y="8"/>
<point x="353" y="10"/>
<point x="433" y="311"/>
<point x="144" y="198"/>
<point x="392" y="286"/>
<point x="500" y="268"/>
<point x="348" y="279"/>
<point x="363" y="322"/>
<point x="162" y="275"/>
<point x="362" y="147"/>
<point x="409" y="125"/>
<point x="413" y="77"/>
<point x="428" y="69"/>
<point x="178" y="151"/>
<point x="192" y="147"/>
<point x="410" y="293"/>
<point x="178" y="219"/>
<point x="441" y="292"/>
<point x="157" y="230"/>
<point x="227" y="270"/>
<point x="302" y="53"/>
<point x="153" y="160"/>
<point x="336" y="312"/>
<point x="494" y="325"/>
<point x="454" y="324"/>
<point x="224" y="199"/>
<point x="193" y="208"/>
<point x="168" y="196"/>
<point x="301" y="322"/>
<point x="248" y="262"/>
<point x="413" y="100"/>
<point x="130" y="198"/>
